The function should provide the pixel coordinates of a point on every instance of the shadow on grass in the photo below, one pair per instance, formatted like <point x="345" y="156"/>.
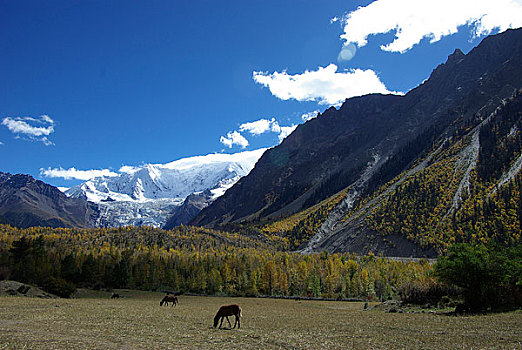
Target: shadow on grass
<point x="224" y="328"/>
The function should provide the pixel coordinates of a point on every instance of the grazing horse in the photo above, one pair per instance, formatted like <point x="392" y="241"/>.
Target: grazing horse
<point x="115" y="295"/>
<point x="169" y="299"/>
<point x="228" y="310"/>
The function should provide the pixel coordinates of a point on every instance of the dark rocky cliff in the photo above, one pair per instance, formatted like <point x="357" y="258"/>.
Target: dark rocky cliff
<point x="26" y="202"/>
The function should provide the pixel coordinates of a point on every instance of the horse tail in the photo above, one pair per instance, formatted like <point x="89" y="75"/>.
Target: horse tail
<point x="240" y="311"/>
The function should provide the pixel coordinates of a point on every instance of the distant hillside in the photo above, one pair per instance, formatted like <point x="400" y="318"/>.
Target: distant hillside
<point x="26" y="202"/>
<point x="468" y="188"/>
<point x="373" y="146"/>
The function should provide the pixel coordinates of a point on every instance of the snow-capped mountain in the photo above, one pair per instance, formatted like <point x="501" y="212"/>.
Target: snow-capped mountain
<point x="148" y="194"/>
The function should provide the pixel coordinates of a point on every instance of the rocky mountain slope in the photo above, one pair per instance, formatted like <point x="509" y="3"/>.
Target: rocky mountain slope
<point x="468" y="188"/>
<point x="372" y="145"/>
<point x="26" y="202"/>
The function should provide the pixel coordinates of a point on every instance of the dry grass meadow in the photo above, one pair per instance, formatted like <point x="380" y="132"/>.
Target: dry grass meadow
<point x="136" y="321"/>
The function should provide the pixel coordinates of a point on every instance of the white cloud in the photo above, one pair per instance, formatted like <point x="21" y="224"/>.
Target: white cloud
<point x="325" y="85"/>
<point x="234" y="138"/>
<point x="47" y="119"/>
<point x="309" y="115"/>
<point x="36" y="129"/>
<point x="73" y="173"/>
<point x="413" y="20"/>
<point x="129" y="169"/>
<point x="46" y="141"/>
<point x="260" y="126"/>
<point x="1" y="143"/>
<point x="285" y="131"/>
<point x="334" y="19"/>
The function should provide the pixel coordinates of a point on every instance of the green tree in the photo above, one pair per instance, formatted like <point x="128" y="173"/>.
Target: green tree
<point x="122" y="273"/>
<point x="20" y="254"/>
<point x="489" y="276"/>
<point x="69" y="269"/>
<point x="88" y="273"/>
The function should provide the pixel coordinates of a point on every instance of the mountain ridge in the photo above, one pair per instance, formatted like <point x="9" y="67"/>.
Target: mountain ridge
<point x="27" y="202"/>
<point x="377" y="146"/>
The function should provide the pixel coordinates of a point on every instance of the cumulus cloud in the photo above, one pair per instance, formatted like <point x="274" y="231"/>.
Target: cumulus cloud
<point x="128" y="169"/>
<point x="73" y="173"/>
<point x="309" y="115"/>
<point x="234" y="138"/>
<point x="413" y="20"/>
<point x="325" y="85"/>
<point x="285" y="131"/>
<point x="36" y="129"/>
<point x="260" y="126"/>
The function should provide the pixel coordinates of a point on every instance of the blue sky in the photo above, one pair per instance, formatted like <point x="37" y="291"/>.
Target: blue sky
<point x="97" y="85"/>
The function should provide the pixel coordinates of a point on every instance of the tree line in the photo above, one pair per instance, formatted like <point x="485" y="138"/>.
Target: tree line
<point x="197" y="260"/>
<point x="118" y="258"/>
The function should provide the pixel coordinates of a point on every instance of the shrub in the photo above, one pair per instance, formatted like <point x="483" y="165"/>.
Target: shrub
<point x="426" y="291"/>
<point x="59" y="287"/>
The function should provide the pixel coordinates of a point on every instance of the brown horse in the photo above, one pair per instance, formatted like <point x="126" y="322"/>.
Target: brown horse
<point x="228" y="310"/>
<point x="169" y="299"/>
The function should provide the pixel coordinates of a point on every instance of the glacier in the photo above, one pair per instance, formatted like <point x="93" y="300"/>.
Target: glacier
<point x="148" y="194"/>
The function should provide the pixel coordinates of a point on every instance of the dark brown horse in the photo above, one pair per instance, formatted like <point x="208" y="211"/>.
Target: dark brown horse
<point x="169" y="299"/>
<point x="228" y="310"/>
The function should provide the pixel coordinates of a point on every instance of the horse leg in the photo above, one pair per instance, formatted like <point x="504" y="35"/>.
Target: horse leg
<point x="229" y="324"/>
<point x="238" y="322"/>
<point x="222" y="318"/>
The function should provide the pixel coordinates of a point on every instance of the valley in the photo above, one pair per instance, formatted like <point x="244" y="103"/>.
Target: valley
<point x="349" y="173"/>
<point x="93" y="320"/>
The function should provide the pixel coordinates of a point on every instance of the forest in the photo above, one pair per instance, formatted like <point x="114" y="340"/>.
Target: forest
<point x="490" y="206"/>
<point x="196" y="260"/>
<point x="206" y="262"/>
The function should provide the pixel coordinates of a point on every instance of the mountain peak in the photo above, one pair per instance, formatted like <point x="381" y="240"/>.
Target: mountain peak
<point x="455" y="56"/>
<point x="146" y="195"/>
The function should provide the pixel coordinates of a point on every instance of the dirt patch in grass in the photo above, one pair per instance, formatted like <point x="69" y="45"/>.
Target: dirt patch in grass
<point x="94" y="321"/>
